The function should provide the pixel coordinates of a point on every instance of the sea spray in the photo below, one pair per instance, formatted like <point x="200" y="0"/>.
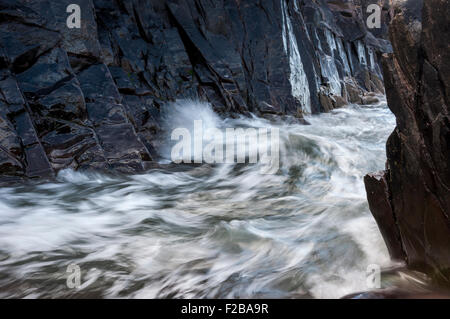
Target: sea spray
<point x="298" y="79"/>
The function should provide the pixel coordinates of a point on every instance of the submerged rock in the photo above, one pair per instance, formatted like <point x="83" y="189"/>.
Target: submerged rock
<point x="411" y="199"/>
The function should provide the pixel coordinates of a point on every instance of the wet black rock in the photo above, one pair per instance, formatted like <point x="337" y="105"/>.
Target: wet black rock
<point x="90" y="98"/>
<point x="411" y="199"/>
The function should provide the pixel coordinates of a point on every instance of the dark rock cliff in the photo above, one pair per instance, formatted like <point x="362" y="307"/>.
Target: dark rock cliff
<point x="411" y="199"/>
<point x="91" y="97"/>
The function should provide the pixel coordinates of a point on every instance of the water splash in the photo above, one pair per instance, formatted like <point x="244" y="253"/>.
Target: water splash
<point x="183" y="114"/>
<point x="330" y="72"/>
<point x="343" y="56"/>
<point x="298" y="79"/>
<point x="328" y="66"/>
<point x="296" y="6"/>
<point x="361" y="53"/>
<point x="331" y="41"/>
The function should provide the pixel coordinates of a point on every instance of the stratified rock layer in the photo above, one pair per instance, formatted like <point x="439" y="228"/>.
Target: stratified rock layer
<point x="91" y="97"/>
<point x="411" y="200"/>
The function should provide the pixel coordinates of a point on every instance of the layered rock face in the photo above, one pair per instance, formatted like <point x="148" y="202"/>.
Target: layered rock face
<point x="411" y="199"/>
<point x="91" y="97"/>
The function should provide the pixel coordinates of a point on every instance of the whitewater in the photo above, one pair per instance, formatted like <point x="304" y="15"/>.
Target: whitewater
<point x="207" y="231"/>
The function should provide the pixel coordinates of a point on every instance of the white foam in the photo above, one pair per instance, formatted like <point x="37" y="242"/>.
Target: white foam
<point x="343" y="56"/>
<point x="330" y="71"/>
<point x="298" y="79"/>
<point x="222" y="231"/>
<point x="361" y="53"/>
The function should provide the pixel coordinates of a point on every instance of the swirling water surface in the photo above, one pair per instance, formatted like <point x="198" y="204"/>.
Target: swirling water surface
<point x="210" y="230"/>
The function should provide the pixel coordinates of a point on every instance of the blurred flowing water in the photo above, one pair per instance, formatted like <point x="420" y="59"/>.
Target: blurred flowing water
<point x="208" y="231"/>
